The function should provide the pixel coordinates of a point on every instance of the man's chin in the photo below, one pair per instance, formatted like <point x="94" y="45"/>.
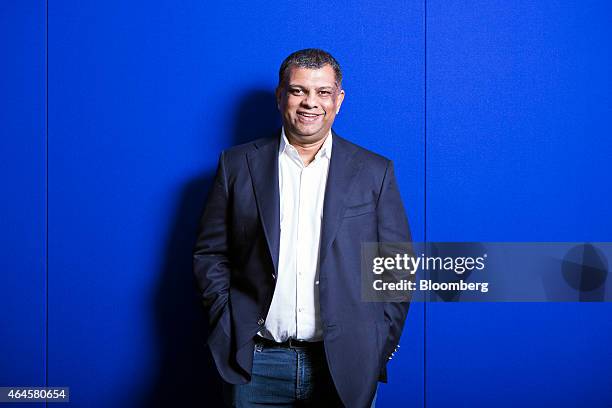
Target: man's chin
<point x="308" y="132"/>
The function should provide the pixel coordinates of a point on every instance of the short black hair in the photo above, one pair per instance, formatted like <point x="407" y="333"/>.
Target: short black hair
<point x="312" y="58"/>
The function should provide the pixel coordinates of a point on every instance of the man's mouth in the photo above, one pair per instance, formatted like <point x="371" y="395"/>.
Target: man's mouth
<point x="308" y="117"/>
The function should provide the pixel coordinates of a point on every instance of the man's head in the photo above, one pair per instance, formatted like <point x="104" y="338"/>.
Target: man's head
<point x="309" y="94"/>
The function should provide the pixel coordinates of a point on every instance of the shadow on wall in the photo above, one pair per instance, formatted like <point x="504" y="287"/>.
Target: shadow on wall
<point x="186" y="375"/>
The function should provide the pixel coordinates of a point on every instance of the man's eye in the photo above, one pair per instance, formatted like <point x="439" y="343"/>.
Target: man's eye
<point x="296" y="91"/>
<point x="324" y="93"/>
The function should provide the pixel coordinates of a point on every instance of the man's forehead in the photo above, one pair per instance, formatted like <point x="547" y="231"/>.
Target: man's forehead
<point x="324" y="76"/>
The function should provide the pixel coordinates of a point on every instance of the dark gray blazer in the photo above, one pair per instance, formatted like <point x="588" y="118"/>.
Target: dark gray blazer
<point x="236" y="260"/>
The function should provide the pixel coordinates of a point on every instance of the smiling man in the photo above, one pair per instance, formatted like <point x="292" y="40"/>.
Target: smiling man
<point x="277" y="257"/>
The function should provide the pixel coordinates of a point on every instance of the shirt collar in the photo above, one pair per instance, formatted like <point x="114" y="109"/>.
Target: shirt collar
<point x="324" y="151"/>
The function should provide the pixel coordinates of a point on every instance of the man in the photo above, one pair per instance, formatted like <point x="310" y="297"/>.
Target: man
<point x="278" y="254"/>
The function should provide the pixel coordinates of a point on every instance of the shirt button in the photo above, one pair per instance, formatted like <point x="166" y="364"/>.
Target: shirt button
<point x="261" y="321"/>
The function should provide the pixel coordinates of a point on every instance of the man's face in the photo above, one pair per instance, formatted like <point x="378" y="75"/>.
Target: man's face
<point x="308" y="101"/>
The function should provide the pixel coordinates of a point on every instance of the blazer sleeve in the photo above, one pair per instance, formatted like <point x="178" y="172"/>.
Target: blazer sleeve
<point x="393" y="228"/>
<point x="211" y="262"/>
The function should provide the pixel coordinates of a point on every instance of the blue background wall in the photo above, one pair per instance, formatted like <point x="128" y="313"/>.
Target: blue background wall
<point x="22" y="201"/>
<point x="519" y="149"/>
<point x="495" y="113"/>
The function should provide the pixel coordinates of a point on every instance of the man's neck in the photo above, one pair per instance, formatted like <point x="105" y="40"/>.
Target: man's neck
<point x="306" y="150"/>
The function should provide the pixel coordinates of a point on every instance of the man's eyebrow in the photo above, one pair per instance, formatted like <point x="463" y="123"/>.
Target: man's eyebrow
<point x="326" y="87"/>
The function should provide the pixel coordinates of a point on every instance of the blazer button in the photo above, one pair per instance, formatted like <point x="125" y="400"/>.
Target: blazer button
<point x="261" y="321"/>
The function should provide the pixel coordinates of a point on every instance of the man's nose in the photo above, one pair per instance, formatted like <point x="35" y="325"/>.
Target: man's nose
<point x="310" y="100"/>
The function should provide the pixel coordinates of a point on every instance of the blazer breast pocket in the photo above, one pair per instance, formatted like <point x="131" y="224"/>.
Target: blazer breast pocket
<point x="360" y="209"/>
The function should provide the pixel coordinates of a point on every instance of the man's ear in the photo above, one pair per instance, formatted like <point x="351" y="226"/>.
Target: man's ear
<point x="340" y="100"/>
<point x="277" y="93"/>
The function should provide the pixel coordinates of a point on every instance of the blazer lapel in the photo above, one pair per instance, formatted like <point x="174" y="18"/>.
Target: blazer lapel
<point x="263" y="166"/>
<point x="343" y="169"/>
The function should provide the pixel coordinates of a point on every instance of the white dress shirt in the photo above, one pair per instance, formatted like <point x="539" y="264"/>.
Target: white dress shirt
<point x="294" y="311"/>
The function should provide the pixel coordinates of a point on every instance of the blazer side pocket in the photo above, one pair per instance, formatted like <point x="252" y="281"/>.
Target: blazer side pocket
<point x="361" y="209"/>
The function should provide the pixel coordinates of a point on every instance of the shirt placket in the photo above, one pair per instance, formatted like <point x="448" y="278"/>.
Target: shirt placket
<point x="300" y="238"/>
<point x="303" y="241"/>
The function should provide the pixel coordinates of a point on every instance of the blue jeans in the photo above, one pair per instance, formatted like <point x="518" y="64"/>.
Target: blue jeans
<point x="288" y="377"/>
